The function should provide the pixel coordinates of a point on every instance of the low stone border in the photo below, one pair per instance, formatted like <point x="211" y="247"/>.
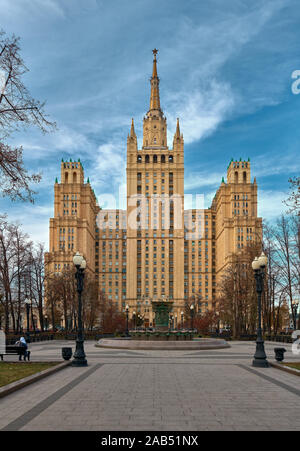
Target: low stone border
<point x="287" y="369"/>
<point x="189" y="345"/>
<point x="10" y="388"/>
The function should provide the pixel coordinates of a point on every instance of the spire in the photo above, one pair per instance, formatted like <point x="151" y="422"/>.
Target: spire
<point x="154" y="72"/>
<point x="132" y="131"/>
<point x="154" y="98"/>
<point x="177" y="133"/>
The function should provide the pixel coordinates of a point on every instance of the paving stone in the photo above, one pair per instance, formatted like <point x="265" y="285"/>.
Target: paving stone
<point x="157" y="390"/>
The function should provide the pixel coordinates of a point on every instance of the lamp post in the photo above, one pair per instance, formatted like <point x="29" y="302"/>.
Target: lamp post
<point x="218" y="323"/>
<point x="192" y="316"/>
<point x="181" y="320"/>
<point x="171" y="322"/>
<point x="258" y="266"/>
<point x="46" y="323"/>
<point x="27" y="304"/>
<point x="127" y="311"/>
<point x="134" y="319"/>
<point x="79" y="355"/>
<point x="295" y="304"/>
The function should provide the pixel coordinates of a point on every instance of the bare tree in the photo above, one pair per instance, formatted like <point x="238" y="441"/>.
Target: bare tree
<point x="17" y="110"/>
<point x="293" y="201"/>
<point x="36" y="271"/>
<point x="237" y="303"/>
<point x="283" y="242"/>
<point x="14" y="245"/>
<point x="111" y="319"/>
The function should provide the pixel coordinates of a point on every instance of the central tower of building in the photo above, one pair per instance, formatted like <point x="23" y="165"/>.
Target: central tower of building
<point x="155" y="207"/>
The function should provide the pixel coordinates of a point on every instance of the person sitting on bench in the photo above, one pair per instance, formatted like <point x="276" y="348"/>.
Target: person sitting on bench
<point x="23" y="343"/>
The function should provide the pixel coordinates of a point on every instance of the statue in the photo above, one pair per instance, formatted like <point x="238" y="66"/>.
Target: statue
<point x="162" y="309"/>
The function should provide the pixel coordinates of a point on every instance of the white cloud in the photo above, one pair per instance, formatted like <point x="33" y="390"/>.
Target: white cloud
<point x="34" y="220"/>
<point x="203" y="100"/>
<point x="30" y="8"/>
<point x="285" y="163"/>
<point x="108" y="174"/>
<point x="201" y="112"/>
<point x="270" y="204"/>
<point x="195" y="180"/>
<point x="40" y="147"/>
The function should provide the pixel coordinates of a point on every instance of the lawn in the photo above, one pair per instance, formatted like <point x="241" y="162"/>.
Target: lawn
<point x="295" y="365"/>
<point x="11" y="372"/>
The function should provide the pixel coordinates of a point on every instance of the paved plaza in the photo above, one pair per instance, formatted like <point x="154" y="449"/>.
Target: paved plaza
<point x="157" y="390"/>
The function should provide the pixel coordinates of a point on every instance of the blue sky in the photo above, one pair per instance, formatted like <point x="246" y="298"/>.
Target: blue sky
<point x="225" y="71"/>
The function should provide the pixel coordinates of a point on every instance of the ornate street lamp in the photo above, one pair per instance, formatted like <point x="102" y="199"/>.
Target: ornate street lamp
<point x="192" y="316"/>
<point x="127" y="311"/>
<point x="79" y="355"/>
<point x="27" y="304"/>
<point x="295" y="304"/>
<point x="258" y="266"/>
<point x="134" y="319"/>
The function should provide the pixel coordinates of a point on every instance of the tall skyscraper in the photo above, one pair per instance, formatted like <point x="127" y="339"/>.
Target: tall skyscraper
<point x="155" y="249"/>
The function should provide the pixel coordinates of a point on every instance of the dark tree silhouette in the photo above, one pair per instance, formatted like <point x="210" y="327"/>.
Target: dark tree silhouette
<point x="17" y="110"/>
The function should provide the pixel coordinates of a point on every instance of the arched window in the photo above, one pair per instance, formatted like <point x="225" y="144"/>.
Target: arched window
<point x="139" y="159"/>
<point x="236" y="177"/>
<point x="154" y="158"/>
<point x="170" y="158"/>
<point x="244" y="177"/>
<point x="74" y="177"/>
<point x="147" y="159"/>
<point x="66" y="177"/>
<point x="163" y="159"/>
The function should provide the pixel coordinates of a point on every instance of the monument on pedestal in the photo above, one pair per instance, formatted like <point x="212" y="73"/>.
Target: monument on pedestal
<point x="162" y="337"/>
<point x="162" y="309"/>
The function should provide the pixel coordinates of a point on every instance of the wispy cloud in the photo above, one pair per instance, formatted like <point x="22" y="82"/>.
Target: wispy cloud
<point x="201" y="112"/>
<point x="270" y="204"/>
<point x="214" y="65"/>
<point x="285" y="163"/>
<point x="31" y="8"/>
<point x="34" y="220"/>
<point x="203" y="179"/>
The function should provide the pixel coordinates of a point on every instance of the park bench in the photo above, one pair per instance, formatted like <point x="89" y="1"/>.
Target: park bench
<point x="16" y="350"/>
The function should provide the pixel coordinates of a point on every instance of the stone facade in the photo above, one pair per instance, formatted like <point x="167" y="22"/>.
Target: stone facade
<point x="155" y="249"/>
